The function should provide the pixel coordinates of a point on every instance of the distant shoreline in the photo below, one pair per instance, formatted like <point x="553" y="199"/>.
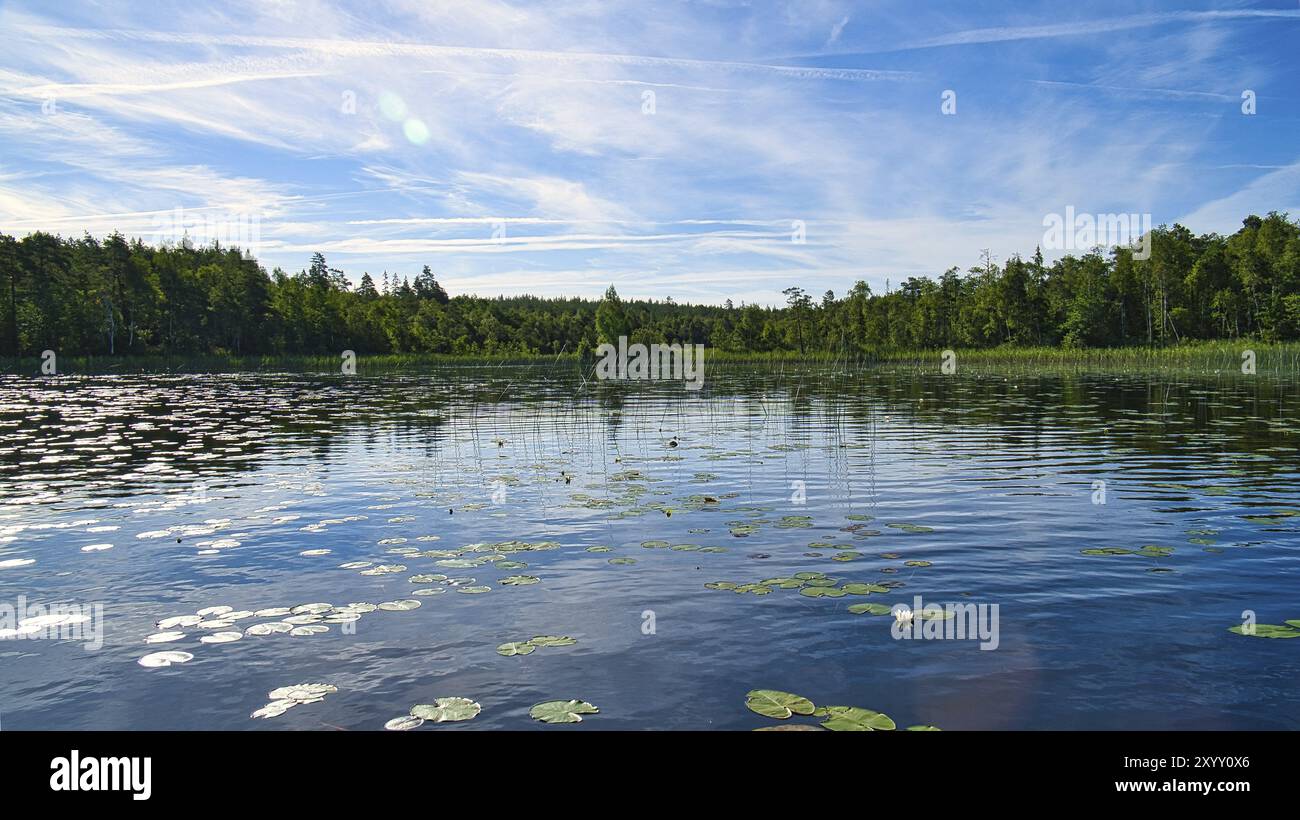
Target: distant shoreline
<point x="1224" y="356"/>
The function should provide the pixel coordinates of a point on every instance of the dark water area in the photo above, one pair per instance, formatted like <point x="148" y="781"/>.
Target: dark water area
<point x="142" y="498"/>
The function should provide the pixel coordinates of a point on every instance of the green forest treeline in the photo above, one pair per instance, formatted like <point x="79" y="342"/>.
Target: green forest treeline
<point x="87" y="296"/>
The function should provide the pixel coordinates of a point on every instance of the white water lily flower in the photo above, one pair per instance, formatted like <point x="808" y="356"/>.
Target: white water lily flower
<point x="903" y="615"/>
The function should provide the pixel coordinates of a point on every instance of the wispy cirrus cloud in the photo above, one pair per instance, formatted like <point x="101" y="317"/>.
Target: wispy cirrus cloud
<point x="671" y="151"/>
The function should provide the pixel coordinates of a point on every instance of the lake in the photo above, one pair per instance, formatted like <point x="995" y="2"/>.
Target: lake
<point x="1120" y="523"/>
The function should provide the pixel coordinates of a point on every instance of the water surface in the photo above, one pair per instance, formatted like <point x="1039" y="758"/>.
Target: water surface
<point x="210" y="488"/>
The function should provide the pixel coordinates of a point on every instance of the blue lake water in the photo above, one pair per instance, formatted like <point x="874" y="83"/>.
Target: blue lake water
<point x="205" y="490"/>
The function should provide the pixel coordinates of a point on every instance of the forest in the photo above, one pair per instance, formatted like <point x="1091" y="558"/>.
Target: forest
<point x="115" y="296"/>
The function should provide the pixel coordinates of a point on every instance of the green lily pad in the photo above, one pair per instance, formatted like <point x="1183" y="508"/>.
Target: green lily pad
<point x="795" y="522"/>
<point x="855" y="719"/>
<point x="622" y="561"/>
<point x="520" y="580"/>
<point x="780" y="705"/>
<point x="562" y="711"/>
<point x="1268" y="631"/>
<point x="447" y="710"/>
<point x="553" y="640"/>
<point x="925" y="728"/>
<point x="911" y="527"/>
<point x="720" y="585"/>
<point x="822" y="592"/>
<point x="864" y="589"/>
<point x="1154" y="551"/>
<point x="516" y="648"/>
<point x="870" y="609"/>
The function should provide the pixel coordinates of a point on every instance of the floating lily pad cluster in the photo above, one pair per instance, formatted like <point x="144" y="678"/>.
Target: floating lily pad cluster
<point x="220" y="623"/>
<point x="1147" y="551"/>
<point x="287" y="697"/>
<point x="528" y="647"/>
<point x="779" y="705"/>
<point x="810" y="584"/>
<point x="467" y="557"/>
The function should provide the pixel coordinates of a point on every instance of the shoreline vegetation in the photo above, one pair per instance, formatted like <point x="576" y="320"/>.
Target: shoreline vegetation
<point x="117" y="305"/>
<point x="1206" y="357"/>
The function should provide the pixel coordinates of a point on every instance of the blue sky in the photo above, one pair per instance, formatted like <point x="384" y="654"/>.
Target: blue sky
<point x="513" y="147"/>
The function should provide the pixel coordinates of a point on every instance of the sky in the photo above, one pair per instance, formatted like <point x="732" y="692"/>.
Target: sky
<point x="701" y="151"/>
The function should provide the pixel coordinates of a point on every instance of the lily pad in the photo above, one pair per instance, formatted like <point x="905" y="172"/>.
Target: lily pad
<point x="562" y="711"/>
<point x="553" y="640"/>
<point x="775" y="704"/>
<point x="855" y="719"/>
<point x="864" y="589"/>
<point x="404" y="723"/>
<point x="1268" y="631"/>
<point x="520" y="580"/>
<point x="221" y="637"/>
<point x="822" y="592"/>
<point x="164" y="637"/>
<point x="870" y="609"/>
<point x="516" y="648"/>
<point x="156" y="659"/>
<point x="447" y="710"/>
<point x="405" y="605"/>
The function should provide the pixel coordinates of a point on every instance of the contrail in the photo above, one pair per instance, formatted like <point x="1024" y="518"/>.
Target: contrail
<point x="372" y="48"/>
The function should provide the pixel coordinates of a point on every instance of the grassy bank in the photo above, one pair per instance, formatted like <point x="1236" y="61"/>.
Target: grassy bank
<point x="1225" y="357"/>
